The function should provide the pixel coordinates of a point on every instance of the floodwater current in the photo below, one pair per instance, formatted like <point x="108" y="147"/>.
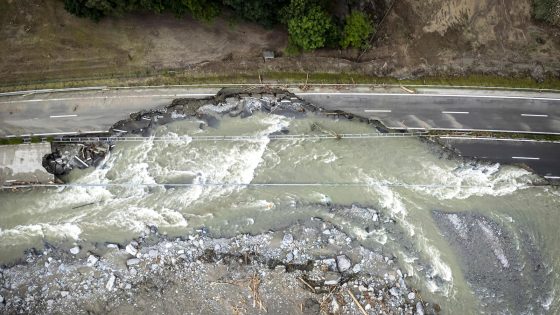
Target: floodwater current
<point x="476" y="237"/>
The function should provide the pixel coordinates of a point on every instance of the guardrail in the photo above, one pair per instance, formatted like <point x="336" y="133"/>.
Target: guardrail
<point x="240" y="138"/>
<point x="245" y="185"/>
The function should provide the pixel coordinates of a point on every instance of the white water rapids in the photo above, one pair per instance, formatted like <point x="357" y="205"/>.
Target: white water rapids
<point x="404" y="178"/>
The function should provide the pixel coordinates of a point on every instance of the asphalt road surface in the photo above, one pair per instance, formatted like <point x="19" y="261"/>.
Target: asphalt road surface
<point x="542" y="157"/>
<point x="528" y="114"/>
<point x="96" y="110"/>
<point x="83" y="111"/>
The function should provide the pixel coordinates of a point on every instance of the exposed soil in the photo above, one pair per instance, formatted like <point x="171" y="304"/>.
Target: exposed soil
<point x="40" y="41"/>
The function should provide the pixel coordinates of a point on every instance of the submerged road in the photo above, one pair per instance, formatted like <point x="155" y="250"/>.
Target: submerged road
<point x="542" y="157"/>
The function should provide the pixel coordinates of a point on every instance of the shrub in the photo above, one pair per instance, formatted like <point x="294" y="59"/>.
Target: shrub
<point x="547" y="11"/>
<point x="264" y="12"/>
<point x="310" y="31"/>
<point x="96" y="9"/>
<point x="357" y="30"/>
<point x="80" y="8"/>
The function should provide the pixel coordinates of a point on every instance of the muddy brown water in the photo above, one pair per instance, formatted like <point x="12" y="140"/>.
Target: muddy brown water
<point x="476" y="237"/>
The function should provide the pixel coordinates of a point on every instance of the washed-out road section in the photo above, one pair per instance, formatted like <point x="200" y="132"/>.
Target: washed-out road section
<point x="96" y="110"/>
<point x="542" y="157"/>
<point x="429" y="109"/>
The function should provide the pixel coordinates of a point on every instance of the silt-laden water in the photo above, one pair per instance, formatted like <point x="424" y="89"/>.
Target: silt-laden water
<point x="475" y="237"/>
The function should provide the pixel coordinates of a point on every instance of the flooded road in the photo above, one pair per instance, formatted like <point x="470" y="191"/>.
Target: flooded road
<point x="475" y="237"/>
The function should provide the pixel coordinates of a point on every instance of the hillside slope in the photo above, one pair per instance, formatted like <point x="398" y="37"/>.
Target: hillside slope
<point x="40" y="41"/>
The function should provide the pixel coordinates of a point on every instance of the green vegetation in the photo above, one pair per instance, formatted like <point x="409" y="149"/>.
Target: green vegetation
<point x="97" y="9"/>
<point x="143" y="78"/>
<point x="310" y="23"/>
<point x="8" y="141"/>
<point x="357" y="31"/>
<point x="547" y="11"/>
<point x="264" y="12"/>
<point x="310" y="30"/>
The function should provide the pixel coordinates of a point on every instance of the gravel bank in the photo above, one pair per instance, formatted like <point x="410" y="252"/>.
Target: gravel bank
<point x="310" y="268"/>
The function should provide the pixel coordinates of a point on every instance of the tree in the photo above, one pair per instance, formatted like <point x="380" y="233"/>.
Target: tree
<point x="202" y="9"/>
<point x="357" y="30"/>
<point x="310" y="30"/>
<point x="264" y="12"/>
<point x="547" y="10"/>
<point x="96" y="9"/>
<point x="79" y="8"/>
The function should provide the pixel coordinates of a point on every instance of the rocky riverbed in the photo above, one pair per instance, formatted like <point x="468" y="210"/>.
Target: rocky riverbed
<point x="310" y="268"/>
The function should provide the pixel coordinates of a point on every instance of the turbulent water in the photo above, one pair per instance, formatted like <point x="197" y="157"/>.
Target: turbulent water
<point x="475" y="237"/>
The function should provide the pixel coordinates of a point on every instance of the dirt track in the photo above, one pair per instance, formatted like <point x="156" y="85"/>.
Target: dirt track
<point x="40" y="41"/>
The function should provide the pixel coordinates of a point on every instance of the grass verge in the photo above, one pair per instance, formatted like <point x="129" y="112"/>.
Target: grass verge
<point x="177" y="78"/>
<point x="21" y="140"/>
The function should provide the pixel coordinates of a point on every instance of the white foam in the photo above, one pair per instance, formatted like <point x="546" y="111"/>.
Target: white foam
<point x="321" y="198"/>
<point x="44" y="230"/>
<point x="392" y="202"/>
<point x="549" y="300"/>
<point x="440" y="269"/>
<point x="135" y="218"/>
<point x="473" y="180"/>
<point x="173" y="138"/>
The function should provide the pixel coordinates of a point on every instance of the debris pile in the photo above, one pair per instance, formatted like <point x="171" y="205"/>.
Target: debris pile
<point x="66" y="157"/>
<point x="307" y="268"/>
<point x="229" y="101"/>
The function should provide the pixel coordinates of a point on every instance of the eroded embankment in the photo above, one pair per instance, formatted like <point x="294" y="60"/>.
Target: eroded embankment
<point x="233" y="102"/>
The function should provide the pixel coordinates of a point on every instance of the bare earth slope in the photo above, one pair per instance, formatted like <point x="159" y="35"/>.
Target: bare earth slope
<point x="40" y="41"/>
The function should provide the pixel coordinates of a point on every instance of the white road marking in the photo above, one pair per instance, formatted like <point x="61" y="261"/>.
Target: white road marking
<point x="95" y="131"/>
<point x="552" y="177"/>
<point x="53" y="133"/>
<point x="415" y="128"/>
<point x="525" y="158"/>
<point x="60" y="133"/>
<point x="377" y="110"/>
<point x="534" y="115"/>
<point x="108" y="97"/>
<point x="433" y="95"/>
<point x="464" y="113"/>
<point x="62" y="116"/>
<point x="301" y="94"/>
<point x="119" y="130"/>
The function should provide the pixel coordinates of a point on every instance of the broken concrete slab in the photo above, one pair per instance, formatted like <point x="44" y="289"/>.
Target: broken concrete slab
<point x="23" y="163"/>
